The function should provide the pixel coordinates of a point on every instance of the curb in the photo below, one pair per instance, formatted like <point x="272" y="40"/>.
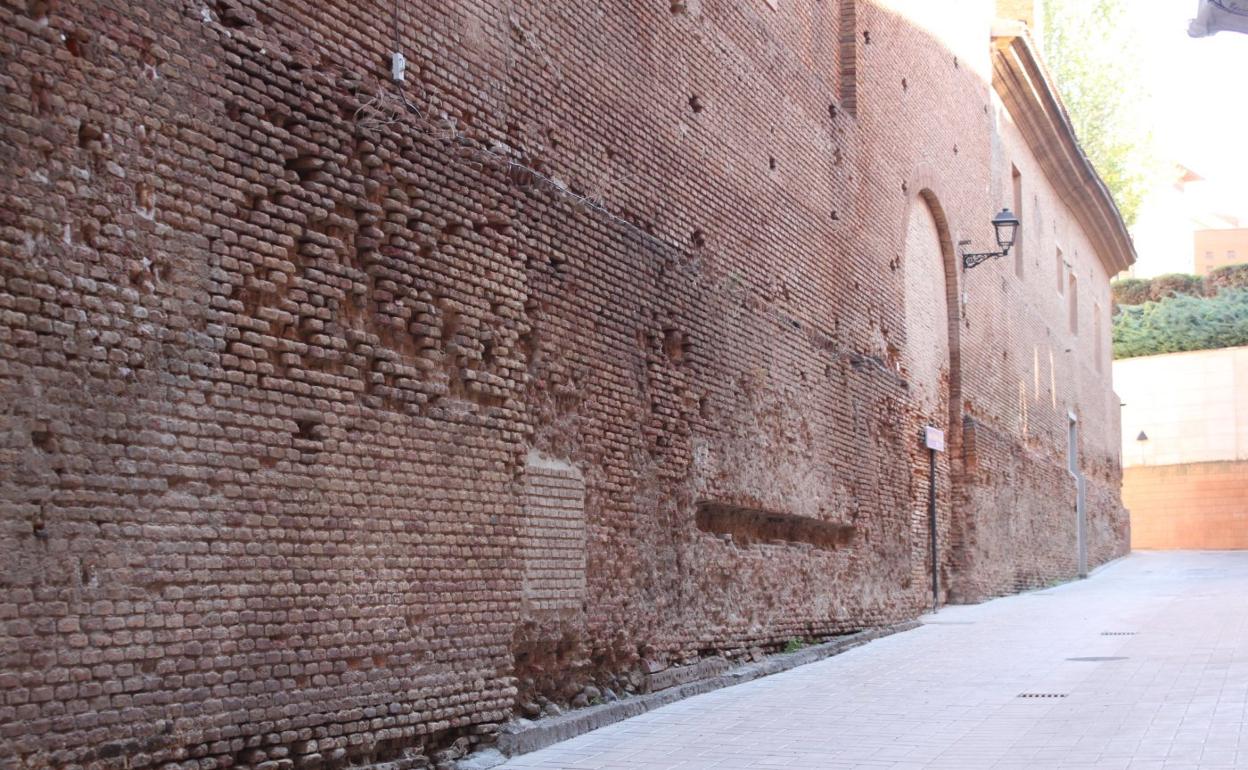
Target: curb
<point x="1106" y="565"/>
<point x="524" y="736"/>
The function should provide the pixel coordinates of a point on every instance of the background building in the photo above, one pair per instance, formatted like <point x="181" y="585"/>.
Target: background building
<point x="1216" y="248"/>
<point x="1185" y="448"/>
<point x="1184" y="226"/>
<point x="346" y="414"/>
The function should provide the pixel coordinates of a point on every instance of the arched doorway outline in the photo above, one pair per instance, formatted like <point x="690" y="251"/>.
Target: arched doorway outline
<point x="922" y="180"/>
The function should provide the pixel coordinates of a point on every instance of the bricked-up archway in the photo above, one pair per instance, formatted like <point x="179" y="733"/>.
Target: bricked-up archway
<point x="933" y="363"/>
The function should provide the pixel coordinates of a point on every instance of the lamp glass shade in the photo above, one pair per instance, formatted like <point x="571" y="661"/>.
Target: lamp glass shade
<point x="1006" y="225"/>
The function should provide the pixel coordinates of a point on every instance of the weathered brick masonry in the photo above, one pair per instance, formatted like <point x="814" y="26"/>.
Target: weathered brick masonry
<point x="341" y="416"/>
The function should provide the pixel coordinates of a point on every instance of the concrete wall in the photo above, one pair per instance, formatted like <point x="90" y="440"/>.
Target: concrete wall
<point x="340" y="421"/>
<point x="1187" y="484"/>
<point x="1193" y="505"/>
<point x="1192" y="406"/>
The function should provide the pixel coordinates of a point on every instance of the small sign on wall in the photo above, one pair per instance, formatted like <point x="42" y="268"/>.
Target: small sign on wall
<point x="934" y="438"/>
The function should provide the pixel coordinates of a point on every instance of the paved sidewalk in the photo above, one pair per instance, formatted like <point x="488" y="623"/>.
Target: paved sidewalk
<point x="1172" y="695"/>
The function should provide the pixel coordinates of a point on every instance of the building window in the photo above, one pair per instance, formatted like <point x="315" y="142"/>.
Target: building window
<point x="1018" y="212"/>
<point x="1060" y="266"/>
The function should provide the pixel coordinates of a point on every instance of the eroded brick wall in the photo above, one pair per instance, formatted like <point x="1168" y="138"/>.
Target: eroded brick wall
<point x="300" y="367"/>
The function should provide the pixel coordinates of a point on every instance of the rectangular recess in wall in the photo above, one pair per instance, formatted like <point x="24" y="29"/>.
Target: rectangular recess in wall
<point x="848" y="58"/>
<point x="1098" y="344"/>
<point x="749" y="526"/>
<point x="1060" y="267"/>
<point x="1073" y="300"/>
<point x="552" y="543"/>
<point x="1017" y="179"/>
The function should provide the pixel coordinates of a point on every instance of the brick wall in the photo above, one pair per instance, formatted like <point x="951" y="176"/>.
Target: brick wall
<point x="1194" y="505"/>
<point x="301" y="369"/>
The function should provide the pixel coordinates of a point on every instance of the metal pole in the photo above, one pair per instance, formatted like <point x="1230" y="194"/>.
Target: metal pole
<point x="931" y="520"/>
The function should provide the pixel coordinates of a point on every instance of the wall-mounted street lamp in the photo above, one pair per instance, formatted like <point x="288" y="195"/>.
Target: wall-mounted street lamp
<point x="1006" y="225"/>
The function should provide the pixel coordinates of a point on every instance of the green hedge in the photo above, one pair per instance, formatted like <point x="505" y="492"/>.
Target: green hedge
<point x="1182" y="322"/>
<point x="1137" y="291"/>
<point x="1228" y="277"/>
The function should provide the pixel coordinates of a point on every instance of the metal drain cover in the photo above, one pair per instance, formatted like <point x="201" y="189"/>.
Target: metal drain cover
<point x="1097" y="658"/>
<point x="1043" y="694"/>
<point x="1119" y="633"/>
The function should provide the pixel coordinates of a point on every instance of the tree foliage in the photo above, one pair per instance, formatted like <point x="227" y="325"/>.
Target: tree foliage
<point x="1101" y="73"/>
<point x="1182" y="322"/>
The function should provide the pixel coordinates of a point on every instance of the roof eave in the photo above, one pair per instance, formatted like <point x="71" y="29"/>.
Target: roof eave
<point x="1020" y="80"/>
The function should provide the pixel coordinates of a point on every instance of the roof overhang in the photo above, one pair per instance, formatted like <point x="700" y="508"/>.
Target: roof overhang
<point x="1214" y="16"/>
<point x="1020" y="80"/>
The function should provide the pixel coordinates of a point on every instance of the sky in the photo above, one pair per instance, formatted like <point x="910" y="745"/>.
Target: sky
<point x="1200" y="97"/>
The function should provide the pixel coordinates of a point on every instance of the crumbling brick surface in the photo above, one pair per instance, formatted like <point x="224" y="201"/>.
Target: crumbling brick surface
<point x="280" y="339"/>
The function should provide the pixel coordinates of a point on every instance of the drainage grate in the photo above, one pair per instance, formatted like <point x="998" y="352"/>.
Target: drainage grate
<point x="1096" y="658"/>
<point x="1043" y="694"/>
<point x="1118" y="633"/>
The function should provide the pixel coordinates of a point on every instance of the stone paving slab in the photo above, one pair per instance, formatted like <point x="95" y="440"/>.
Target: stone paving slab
<point x="1170" y="688"/>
